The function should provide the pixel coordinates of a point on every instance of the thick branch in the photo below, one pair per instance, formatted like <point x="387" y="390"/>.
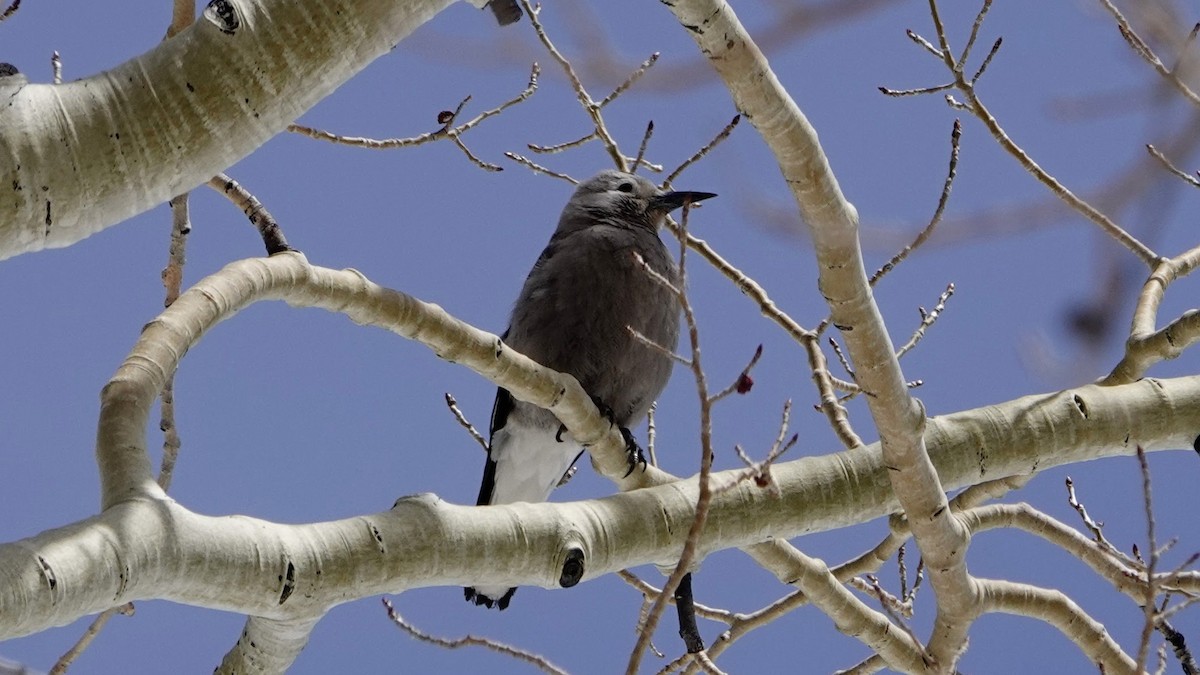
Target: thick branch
<point x="843" y="281"/>
<point x="78" y="157"/>
<point x="147" y="545"/>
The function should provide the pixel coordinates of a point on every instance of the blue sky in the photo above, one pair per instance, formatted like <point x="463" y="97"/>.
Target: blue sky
<point x="299" y="415"/>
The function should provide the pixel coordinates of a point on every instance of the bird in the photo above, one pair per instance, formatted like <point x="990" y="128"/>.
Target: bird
<point x="506" y="11"/>
<point x="574" y="315"/>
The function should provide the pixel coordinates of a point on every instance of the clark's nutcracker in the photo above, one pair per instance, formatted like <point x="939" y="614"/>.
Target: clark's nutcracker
<point x="572" y="316"/>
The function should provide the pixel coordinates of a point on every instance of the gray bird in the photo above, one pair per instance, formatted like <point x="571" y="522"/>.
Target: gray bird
<point x="571" y="316"/>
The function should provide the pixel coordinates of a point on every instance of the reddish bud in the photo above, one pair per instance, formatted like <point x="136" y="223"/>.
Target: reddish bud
<point x="744" y="383"/>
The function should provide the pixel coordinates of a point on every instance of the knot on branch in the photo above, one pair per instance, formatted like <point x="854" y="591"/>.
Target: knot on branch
<point x="573" y="568"/>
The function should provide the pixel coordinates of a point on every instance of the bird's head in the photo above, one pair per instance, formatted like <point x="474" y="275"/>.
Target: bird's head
<point x="619" y="197"/>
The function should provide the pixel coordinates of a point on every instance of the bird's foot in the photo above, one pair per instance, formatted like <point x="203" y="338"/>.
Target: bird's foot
<point x="633" y="451"/>
<point x="605" y="410"/>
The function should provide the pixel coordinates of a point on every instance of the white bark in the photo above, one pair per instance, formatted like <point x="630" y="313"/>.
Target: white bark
<point x="78" y="157"/>
<point x="144" y="545"/>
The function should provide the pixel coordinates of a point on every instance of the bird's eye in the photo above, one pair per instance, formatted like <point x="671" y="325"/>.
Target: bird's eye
<point x="625" y="187"/>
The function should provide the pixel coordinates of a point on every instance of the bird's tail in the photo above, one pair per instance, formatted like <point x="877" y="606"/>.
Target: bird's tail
<point x="524" y="465"/>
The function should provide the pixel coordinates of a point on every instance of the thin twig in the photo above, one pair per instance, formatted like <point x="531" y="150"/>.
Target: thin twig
<point x="649" y="590"/>
<point x="641" y="154"/>
<point x="1094" y="527"/>
<point x="704" y="498"/>
<point x="721" y="135"/>
<point x="172" y="279"/>
<point x="943" y="199"/>
<point x="448" y="130"/>
<point x="919" y="91"/>
<point x="552" y="149"/>
<point x="841" y="357"/>
<point x="927" y="320"/>
<point x="464" y="422"/>
<point x="589" y="105"/>
<point x="1143" y="49"/>
<point x="1191" y="179"/>
<point x="535" y="660"/>
<point x="651" y="434"/>
<point x="975" y="106"/>
<point x="64" y="662"/>
<point x="760" y="472"/>
<point x="183" y="14"/>
<point x="260" y="217"/>
<point x="1179" y="646"/>
<point x="538" y="168"/>
<point x="923" y="43"/>
<point x="10" y="10"/>
<point x="987" y="60"/>
<point x="1149" y="606"/>
<point x="966" y="52"/>
<point x="633" y="77"/>
<point x="743" y="382"/>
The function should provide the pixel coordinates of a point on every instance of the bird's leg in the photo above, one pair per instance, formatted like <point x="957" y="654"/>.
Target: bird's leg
<point x="633" y="451"/>
<point x="605" y="410"/>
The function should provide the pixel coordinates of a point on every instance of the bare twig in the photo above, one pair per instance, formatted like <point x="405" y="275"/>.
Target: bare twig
<point x="919" y="91"/>
<point x="1094" y="527"/>
<point x="260" y="217"/>
<point x="64" y="662"/>
<point x="172" y="279"/>
<point x="1187" y="177"/>
<point x="743" y="382"/>
<point x="966" y="52"/>
<point x="686" y="558"/>
<point x="10" y="10"/>
<point x="589" y="105"/>
<point x="923" y="43"/>
<point x="464" y="422"/>
<point x="1149" y="606"/>
<point x="721" y="135"/>
<point x="1143" y="49"/>
<point x="974" y="105"/>
<point x="446" y="118"/>
<point x="924" y="234"/>
<point x="651" y="434"/>
<point x="535" y="660"/>
<point x="1179" y="646"/>
<point x="553" y="149"/>
<point x="760" y="472"/>
<point x="538" y="168"/>
<point x="927" y="320"/>
<point x="641" y="154"/>
<point x="841" y="357"/>
<point x="987" y="60"/>
<point x="633" y="77"/>
<point x="183" y="14"/>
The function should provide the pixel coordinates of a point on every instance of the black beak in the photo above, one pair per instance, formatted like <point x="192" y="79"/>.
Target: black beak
<point x="669" y="201"/>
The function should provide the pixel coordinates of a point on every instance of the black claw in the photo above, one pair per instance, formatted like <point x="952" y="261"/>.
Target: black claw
<point x="562" y="428"/>
<point x="633" y="451"/>
<point x="605" y="410"/>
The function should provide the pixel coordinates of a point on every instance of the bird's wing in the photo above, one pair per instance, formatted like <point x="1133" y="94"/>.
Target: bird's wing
<point x="500" y="411"/>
